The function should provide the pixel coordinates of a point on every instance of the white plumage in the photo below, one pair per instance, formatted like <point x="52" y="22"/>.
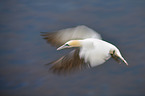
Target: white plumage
<point x="96" y="51"/>
<point x="90" y="50"/>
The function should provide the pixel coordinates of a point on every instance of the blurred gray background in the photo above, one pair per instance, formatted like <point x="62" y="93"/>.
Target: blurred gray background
<point x="23" y="52"/>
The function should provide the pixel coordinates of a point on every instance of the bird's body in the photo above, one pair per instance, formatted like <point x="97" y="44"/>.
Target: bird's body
<point x="90" y="50"/>
<point x="95" y="51"/>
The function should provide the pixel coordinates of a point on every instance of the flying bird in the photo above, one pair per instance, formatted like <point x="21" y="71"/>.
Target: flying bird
<point x="89" y="49"/>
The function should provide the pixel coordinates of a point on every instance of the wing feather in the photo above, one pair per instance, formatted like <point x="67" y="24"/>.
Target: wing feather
<point x="69" y="63"/>
<point x="64" y="35"/>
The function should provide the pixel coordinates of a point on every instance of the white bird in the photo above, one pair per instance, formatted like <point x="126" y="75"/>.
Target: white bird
<point x="90" y="50"/>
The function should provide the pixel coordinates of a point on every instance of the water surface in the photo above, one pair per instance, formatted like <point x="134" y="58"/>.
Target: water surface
<point x="23" y="52"/>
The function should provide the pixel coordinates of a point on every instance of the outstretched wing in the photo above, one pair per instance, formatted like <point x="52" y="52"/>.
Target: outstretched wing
<point x="64" y="35"/>
<point x="69" y="63"/>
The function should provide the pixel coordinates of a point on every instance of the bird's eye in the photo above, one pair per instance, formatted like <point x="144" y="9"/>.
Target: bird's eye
<point x="66" y="45"/>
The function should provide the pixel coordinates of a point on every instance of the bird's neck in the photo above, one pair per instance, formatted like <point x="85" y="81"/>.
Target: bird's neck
<point x="86" y="44"/>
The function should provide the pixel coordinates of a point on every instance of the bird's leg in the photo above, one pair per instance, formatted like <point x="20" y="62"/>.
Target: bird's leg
<point x="116" y="58"/>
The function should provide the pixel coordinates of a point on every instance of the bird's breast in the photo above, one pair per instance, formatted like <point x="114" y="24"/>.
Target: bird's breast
<point x="95" y="56"/>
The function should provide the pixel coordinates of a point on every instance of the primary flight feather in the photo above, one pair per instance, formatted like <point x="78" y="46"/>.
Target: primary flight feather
<point x="90" y="50"/>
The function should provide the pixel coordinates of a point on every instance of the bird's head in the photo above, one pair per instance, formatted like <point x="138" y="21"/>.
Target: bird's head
<point x="70" y="44"/>
<point x="115" y="53"/>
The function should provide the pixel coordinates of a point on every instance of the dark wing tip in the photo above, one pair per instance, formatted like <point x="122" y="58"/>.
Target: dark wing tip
<point x="43" y="33"/>
<point x="51" y="38"/>
<point x="69" y="63"/>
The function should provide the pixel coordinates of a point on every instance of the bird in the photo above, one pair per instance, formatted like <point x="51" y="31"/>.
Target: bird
<point x="88" y="49"/>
